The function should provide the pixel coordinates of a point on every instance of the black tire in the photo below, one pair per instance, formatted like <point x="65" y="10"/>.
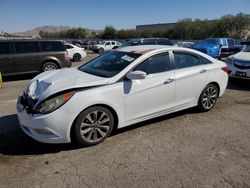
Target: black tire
<point x="101" y="50"/>
<point x="77" y="57"/>
<point x="94" y="125"/>
<point x="48" y="66"/>
<point x="208" y="98"/>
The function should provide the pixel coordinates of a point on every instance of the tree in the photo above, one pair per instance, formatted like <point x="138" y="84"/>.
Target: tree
<point x="109" y="32"/>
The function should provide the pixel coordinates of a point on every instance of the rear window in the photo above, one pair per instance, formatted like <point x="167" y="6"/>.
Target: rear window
<point x="5" y="48"/>
<point x="230" y="43"/>
<point x="26" y="47"/>
<point x="51" y="46"/>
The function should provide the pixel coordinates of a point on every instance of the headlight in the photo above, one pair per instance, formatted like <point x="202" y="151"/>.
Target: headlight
<point x="51" y="104"/>
<point x="229" y="61"/>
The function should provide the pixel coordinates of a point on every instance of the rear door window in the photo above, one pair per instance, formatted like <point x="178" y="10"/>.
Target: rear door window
<point x="26" y="47"/>
<point x="185" y="60"/>
<point x="51" y="46"/>
<point x="5" y="48"/>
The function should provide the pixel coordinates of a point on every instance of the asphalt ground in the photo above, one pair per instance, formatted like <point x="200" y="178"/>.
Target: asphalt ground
<point x="184" y="149"/>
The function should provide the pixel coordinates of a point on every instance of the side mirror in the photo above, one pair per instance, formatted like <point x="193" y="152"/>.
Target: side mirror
<point x="136" y="75"/>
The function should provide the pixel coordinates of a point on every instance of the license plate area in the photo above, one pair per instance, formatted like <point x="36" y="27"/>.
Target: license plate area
<point x="241" y="74"/>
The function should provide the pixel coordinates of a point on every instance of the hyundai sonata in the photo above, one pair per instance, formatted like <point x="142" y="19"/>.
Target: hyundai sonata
<point x="117" y="89"/>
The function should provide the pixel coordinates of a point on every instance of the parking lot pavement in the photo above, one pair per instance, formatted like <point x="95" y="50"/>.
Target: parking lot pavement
<point x="184" y="149"/>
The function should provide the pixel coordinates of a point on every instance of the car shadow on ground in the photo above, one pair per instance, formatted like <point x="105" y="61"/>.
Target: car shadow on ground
<point x="18" y="77"/>
<point x="13" y="141"/>
<point x="239" y="84"/>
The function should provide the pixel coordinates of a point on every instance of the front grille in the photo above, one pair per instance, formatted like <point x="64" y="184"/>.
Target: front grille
<point x="242" y="65"/>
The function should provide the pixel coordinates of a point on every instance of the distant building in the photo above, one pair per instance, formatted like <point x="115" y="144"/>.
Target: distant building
<point x="155" y="27"/>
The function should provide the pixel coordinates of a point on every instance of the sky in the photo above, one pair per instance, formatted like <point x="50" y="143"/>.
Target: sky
<point x="22" y="15"/>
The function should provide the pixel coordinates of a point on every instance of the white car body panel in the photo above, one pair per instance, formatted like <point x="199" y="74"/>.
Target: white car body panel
<point x="132" y="100"/>
<point x="75" y="50"/>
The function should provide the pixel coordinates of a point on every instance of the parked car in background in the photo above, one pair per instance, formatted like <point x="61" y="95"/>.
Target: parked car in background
<point x="185" y="44"/>
<point x="217" y="47"/>
<point x="117" y="89"/>
<point x="104" y="46"/>
<point x="75" y="53"/>
<point x="78" y="43"/>
<point x="239" y="64"/>
<point x="31" y="56"/>
<point x="87" y="44"/>
<point x="148" y="41"/>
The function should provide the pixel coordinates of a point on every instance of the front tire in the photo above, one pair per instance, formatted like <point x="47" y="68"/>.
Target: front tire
<point x="208" y="98"/>
<point x="101" y="50"/>
<point x="94" y="125"/>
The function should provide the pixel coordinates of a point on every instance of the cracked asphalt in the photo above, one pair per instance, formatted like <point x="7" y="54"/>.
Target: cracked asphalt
<point x="184" y="149"/>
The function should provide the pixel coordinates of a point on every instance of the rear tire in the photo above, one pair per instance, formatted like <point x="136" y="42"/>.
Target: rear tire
<point x="94" y="125"/>
<point x="77" y="57"/>
<point x="49" y="66"/>
<point x="208" y="98"/>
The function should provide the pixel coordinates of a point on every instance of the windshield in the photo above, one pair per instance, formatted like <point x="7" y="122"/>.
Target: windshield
<point x="210" y="41"/>
<point x="109" y="64"/>
<point x="247" y="49"/>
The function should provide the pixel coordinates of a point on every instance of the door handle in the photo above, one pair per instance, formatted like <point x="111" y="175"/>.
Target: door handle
<point x="203" y="70"/>
<point x="169" y="80"/>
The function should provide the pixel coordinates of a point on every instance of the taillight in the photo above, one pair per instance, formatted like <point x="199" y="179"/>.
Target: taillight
<point x="225" y="69"/>
<point x="66" y="56"/>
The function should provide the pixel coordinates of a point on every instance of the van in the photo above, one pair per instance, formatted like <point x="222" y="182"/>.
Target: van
<point x="32" y="56"/>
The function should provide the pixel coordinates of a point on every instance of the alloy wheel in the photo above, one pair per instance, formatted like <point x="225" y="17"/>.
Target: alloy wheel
<point x="209" y="97"/>
<point x="95" y="126"/>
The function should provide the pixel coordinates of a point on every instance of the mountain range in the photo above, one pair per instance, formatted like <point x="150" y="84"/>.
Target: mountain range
<point x="49" y="28"/>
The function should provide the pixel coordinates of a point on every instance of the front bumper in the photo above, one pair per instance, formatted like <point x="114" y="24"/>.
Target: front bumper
<point x="47" y="128"/>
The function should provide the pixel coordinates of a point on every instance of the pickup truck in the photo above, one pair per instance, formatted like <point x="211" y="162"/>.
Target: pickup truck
<point x="217" y="47"/>
<point x="104" y="46"/>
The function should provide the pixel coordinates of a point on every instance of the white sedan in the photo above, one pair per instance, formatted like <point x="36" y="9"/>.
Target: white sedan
<point x="239" y="64"/>
<point x="75" y="53"/>
<point x="118" y="89"/>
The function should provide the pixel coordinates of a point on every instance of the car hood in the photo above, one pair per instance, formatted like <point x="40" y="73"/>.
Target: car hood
<point x="51" y="82"/>
<point x="244" y="56"/>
